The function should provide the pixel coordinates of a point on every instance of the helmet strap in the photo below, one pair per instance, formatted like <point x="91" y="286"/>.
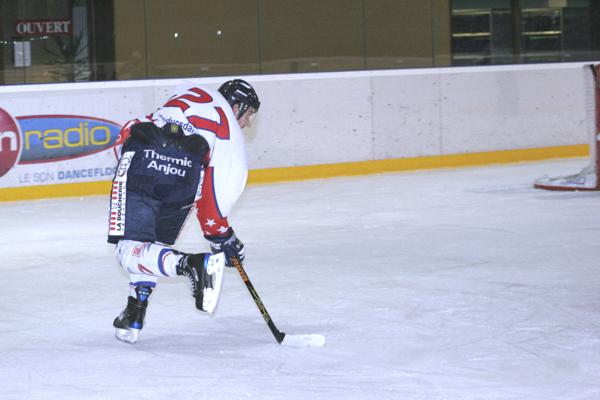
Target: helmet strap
<point x="242" y="108"/>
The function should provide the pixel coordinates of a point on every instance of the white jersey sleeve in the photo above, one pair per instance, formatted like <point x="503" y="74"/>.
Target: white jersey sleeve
<point x="230" y="169"/>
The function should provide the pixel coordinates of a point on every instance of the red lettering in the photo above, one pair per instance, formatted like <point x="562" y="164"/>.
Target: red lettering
<point x="201" y="97"/>
<point x="221" y="129"/>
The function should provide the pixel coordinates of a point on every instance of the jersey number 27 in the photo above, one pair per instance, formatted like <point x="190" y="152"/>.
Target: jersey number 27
<point x="197" y="95"/>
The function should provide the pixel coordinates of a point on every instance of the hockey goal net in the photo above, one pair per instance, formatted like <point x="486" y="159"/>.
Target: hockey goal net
<point x="587" y="178"/>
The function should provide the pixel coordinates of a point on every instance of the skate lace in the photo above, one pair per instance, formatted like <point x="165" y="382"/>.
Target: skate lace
<point x="192" y="285"/>
<point x="194" y="278"/>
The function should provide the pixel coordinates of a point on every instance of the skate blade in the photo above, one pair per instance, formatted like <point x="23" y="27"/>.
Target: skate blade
<point x="127" y="335"/>
<point x="215" y="267"/>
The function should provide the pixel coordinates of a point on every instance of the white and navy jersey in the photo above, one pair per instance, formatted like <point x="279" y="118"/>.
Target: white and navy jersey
<point x="200" y="111"/>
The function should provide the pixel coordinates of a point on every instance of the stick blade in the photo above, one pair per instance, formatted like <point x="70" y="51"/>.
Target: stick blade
<point x="312" y="340"/>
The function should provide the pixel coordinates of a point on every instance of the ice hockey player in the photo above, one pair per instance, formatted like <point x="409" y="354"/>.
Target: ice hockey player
<point x="190" y="152"/>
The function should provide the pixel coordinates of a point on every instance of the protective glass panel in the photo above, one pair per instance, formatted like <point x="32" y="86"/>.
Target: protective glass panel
<point x="201" y="38"/>
<point x="46" y="41"/>
<point x="54" y="41"/>
<point x="311" y="35"/>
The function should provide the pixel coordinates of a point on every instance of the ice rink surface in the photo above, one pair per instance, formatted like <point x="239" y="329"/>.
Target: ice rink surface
<point x="446" y="284"/>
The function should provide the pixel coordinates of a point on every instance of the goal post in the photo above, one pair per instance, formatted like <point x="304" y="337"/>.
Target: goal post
<point x="587" y="178"/>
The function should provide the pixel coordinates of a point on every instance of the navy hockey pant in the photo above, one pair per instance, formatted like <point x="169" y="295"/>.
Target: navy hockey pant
<point x="155" y="184"/>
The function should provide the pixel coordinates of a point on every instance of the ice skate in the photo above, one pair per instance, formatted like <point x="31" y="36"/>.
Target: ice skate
<point x="131" y="321"/>
<point x="205" y="272"/>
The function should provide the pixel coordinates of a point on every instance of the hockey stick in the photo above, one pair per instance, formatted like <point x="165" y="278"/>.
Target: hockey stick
<point x="311" y="340"/>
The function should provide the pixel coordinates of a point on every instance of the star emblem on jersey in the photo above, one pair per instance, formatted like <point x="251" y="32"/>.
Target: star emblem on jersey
<point x="210" y="222"/>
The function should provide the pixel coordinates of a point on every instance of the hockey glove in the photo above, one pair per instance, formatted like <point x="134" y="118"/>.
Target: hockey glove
<point x="228" y="244"/>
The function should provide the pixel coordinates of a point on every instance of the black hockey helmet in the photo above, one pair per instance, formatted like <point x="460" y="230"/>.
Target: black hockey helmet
<point x="238" y="91"/>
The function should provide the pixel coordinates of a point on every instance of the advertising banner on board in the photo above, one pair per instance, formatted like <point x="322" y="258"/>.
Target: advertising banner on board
<point x="55" y="149"/>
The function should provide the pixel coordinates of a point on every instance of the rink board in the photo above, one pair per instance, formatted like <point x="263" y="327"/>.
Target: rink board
<point x="55" y="139"/>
